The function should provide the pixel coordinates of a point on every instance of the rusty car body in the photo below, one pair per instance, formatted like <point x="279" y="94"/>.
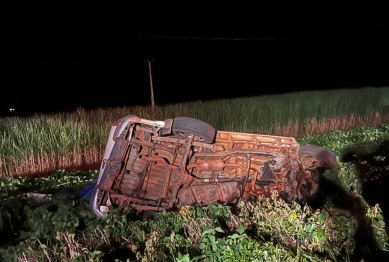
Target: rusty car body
<point x="158" y="165"/>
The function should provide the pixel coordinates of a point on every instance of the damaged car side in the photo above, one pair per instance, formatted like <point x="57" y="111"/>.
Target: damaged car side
<point x="158" y="165"/>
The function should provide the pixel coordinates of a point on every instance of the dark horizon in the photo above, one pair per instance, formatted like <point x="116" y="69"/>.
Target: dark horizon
<point x="94" y="55"/>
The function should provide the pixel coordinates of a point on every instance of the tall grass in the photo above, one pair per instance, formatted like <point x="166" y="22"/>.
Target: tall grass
<point x="267" y="114"/>
<point x="48" y="142"/>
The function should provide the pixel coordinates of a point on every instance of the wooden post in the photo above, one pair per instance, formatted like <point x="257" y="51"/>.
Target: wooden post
<point x="151" y="85"/>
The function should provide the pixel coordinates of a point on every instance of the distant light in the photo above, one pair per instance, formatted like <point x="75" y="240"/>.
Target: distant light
<point x="11" y="109"/>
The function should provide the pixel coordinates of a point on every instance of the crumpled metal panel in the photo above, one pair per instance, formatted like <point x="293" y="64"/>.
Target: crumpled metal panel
<point x="151" y="172"/>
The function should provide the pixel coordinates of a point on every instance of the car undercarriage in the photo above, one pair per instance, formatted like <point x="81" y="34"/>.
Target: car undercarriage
<point x="159" y="165"/>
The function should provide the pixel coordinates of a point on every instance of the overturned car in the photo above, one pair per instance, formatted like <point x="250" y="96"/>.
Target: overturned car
<point x="158" y="165"/>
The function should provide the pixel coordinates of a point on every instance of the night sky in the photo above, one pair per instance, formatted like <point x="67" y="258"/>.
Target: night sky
<point x="60" y="56"/>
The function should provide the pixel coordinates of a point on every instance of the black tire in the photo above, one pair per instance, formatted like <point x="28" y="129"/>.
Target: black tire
<point x="326" y="156"/>
<point x="186" y="125"/>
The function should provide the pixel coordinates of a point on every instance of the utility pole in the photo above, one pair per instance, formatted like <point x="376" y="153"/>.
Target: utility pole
<point x="151" y="84"/>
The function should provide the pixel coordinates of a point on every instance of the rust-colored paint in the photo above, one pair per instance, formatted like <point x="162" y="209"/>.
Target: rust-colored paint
<point x="148" y="170"/>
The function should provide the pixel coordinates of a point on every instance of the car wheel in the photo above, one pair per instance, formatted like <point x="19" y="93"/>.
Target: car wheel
<point x="183" y="126"/>
<point x="325" y="156"/>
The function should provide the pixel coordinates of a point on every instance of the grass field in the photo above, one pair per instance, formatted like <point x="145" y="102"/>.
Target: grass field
<point x="268" y="230"/>
<point x="45" y="143"/>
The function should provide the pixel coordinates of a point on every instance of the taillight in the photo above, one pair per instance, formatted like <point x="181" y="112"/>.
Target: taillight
<point x="120" y="125"/>
<point x="116" y="124"/>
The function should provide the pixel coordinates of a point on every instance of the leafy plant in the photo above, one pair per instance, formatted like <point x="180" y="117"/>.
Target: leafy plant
<point x="265" y="230"/>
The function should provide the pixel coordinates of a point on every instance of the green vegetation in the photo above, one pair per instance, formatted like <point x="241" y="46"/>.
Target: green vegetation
<point x="50" y="142"/>
<point x="64" y="229"/>
<point x="261" y="230"/>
